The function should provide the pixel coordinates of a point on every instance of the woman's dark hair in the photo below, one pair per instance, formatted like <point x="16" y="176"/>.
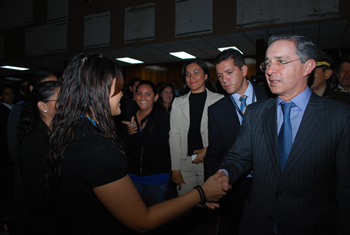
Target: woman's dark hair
<point x="150" y="117"/>
<point x="161" y="87"/>
<point x="30" y="114"/>
<point x="86" y="89"/>
<point x="131" y="82"/>
<point x="209" y="83"/>
<point x="35" y="78"/>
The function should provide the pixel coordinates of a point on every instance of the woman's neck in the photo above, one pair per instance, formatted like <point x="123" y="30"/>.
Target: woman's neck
<point x="166" y="105"/>
<point x="141" y="114"/>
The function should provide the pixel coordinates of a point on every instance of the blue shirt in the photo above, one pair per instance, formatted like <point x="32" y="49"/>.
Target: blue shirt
<point x="250" y="99"/>
<point x="297" y="112"/>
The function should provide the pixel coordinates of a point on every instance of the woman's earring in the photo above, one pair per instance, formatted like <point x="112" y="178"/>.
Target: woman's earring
<point x="45" y="111"/>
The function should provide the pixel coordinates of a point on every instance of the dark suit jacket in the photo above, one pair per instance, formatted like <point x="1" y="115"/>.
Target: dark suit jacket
<point x="223" y="127"/>
<point x="312" y="195"/>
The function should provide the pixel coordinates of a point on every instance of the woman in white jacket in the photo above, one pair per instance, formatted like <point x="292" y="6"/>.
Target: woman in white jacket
<point x="189" y="125"/>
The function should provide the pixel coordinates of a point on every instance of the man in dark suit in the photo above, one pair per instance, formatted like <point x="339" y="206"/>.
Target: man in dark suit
<point x="298" y="145"/>
<point x="224" y="123"/>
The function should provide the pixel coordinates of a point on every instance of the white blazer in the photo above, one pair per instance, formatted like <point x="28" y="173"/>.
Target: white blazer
<point x="180" y="123"/>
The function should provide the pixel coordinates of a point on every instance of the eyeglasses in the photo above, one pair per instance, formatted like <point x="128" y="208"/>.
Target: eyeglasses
<point x="279" y="64"/>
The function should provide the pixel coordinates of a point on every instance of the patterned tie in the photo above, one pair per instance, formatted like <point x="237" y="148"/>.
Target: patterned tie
<point x="243" y="107"/>
<point x="285" y="139"/>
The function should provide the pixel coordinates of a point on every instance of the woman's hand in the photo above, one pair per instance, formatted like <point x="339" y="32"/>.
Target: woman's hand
<point x="213" y="189"/>
<point x="200" y="155"/>
<point x="132" y="128"/>
<point x="177" y="178"/>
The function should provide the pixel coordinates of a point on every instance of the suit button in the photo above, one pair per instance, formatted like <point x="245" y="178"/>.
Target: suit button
<point x="278" y="193"/>
<point x="270" y="218"/>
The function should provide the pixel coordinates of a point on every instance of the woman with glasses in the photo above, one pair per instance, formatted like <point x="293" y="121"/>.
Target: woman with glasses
<point x="33" y="135"/>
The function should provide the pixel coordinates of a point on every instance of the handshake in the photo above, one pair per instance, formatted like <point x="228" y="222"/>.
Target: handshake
<point x="215" y="187"/>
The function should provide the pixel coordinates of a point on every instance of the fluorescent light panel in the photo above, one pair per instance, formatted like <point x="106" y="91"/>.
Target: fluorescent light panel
<point x="182" y="55"/>
<point x="130" y="60"/>
<point x="13" y="67"/>
<point x="225" y="48"/>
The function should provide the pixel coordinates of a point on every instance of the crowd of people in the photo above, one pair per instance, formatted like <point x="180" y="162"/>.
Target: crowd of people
<point x="84" y="154"/>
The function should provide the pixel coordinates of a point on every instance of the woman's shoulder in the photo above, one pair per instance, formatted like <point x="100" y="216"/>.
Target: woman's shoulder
<point x="214" y="95"/>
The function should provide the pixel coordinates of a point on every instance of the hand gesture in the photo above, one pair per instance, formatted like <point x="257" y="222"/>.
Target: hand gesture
<point x="132" y="128"/>
<point x="213" y="190"/>
<point x="222" y="178"/>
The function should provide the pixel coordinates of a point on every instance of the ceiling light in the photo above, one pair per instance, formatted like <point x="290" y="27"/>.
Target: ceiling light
<point x="13" y="68"/>
<point x="182" y="55"/>
<point x="130" y="60"/>
<point x="225" y="48"/>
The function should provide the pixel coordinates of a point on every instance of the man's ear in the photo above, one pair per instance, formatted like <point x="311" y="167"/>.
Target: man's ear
<point x="42" y="106"/>
<point x="328" y="74"/>
<point x="309" y="66"/>
<point x="244" y="70"/>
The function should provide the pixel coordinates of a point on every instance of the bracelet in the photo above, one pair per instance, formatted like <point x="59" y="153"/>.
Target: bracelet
<point x="201" y="194"/>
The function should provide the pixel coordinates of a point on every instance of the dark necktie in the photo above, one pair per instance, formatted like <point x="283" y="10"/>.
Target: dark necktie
<point x="285" y="138"/>
<point x="243" y="107"/>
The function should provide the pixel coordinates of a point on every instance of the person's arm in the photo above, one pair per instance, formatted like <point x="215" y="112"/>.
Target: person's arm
<point x="343" y="178"/>
<point x="123" y="201"/>
<point x="175" y="145"/>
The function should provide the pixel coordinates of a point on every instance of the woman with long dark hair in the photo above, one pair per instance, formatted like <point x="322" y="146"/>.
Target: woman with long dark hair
<point x="189" y="125"/>
<point x="166" y="95"/>
<point x="87" y="174"/>
<point x="34" y="140"/>
<point x="147" y="138"/>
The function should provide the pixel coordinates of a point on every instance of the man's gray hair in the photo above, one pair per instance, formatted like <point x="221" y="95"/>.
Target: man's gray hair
<point x="306" y="49"/>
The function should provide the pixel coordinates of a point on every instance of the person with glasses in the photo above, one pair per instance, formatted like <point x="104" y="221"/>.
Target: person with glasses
<point x="298" y="146"/>
<point x="224" y="122"/>
<point x="33" y="136"/>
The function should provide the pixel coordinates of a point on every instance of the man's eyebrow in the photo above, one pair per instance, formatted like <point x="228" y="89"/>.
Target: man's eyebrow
<point x="277" y="57"/>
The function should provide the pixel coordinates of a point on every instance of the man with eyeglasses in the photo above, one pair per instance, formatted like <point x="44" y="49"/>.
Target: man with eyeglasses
<point x="299" y="147"/>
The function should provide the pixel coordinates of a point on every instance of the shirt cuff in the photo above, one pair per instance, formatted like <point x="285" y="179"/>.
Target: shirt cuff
<point x="225" y="171"/>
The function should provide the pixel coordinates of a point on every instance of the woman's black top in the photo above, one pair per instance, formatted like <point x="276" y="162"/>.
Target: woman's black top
<point x="148" y="150"/>
<point x="90" y="160"/>
<point x="194" y="137"/>
<point x="32" y="154"/>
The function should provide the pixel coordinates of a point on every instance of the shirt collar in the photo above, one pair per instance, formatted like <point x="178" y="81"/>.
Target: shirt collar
<point x="7" y="105"/>
<point x="248" y="92"/>
<point x="301" y="100"/>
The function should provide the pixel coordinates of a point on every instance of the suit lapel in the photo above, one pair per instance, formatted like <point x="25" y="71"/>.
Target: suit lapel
<point x="230" y="112"/>
<point x="270" y="130"/>
<point x="311" y="121"/>
<point x="185" y="107"/>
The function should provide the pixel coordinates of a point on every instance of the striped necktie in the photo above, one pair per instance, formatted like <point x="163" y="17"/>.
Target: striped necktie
<point x="243" y="107"/>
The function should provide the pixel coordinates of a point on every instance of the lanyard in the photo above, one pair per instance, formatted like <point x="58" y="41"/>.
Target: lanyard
<point x="236" y="106"/>
<point x="92" y="120"/>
